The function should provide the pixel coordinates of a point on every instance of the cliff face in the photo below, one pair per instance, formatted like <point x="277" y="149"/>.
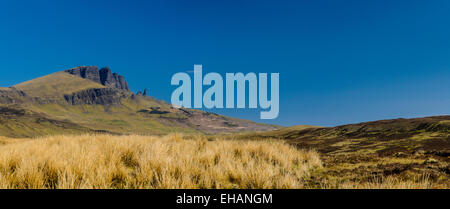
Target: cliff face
<point x="104" y="76"/>
<point x="103" y="96"/>
<point x="113" y="80"/>
<point x="87" y="72"/>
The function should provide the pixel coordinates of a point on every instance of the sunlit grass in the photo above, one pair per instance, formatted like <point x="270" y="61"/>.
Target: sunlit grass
<point x="105" y="161"/>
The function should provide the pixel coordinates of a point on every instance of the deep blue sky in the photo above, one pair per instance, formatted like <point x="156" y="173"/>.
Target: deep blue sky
<point x="339" y="61"/>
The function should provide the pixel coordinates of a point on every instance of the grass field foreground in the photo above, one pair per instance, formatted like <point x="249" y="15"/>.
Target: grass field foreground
<point x="105" y="161"/>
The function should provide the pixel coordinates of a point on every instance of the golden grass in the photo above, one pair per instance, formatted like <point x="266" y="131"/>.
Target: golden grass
<point x="104" y="161"/>
<point x="382" y="182"/>
<point x="56" y="85"/>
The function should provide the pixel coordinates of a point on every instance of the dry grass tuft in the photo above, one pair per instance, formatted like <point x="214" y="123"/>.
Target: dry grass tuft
<point x="104" y="161"/>
<point x="382" y="182"/>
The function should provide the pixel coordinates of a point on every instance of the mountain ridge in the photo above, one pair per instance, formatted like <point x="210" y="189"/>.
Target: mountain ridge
<point x="101" y="100"/>
<point x="384" y="137"/>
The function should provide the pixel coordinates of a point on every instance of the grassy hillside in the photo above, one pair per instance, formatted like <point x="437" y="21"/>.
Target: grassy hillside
<point x="19" y="122"/>
<point x="124" y="119"/>
<point x="282" y="133"/>
<point x="414" y="150"/>
<point x="385" y="137"/>
<point x="55" y="85"/>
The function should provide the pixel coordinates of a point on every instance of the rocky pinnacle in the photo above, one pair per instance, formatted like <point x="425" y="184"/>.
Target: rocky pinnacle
<point x="103" y="76"/>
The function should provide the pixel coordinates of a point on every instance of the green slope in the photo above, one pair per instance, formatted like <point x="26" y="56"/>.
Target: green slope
<point x="55" y="85"/>
<point x="18" y="122"/>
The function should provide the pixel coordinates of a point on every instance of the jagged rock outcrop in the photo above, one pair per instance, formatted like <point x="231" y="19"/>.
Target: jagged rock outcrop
<point x="87" y="72"/>
<point x="113" y="80"/>
<point x="103" y="96"/>
<point x="11" y="96"/>
<point x="140" y="93"/>
<point x="105" y="76"/>
<point x="145" y="92"/>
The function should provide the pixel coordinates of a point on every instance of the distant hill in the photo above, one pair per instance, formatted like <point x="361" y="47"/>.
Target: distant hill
<point x="385" y="151"/>
<point x="85" y="99"/>
<point x="384" y="137"/>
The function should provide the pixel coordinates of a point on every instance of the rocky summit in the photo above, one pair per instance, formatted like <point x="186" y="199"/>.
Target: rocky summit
<point x="103" y="76"/>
